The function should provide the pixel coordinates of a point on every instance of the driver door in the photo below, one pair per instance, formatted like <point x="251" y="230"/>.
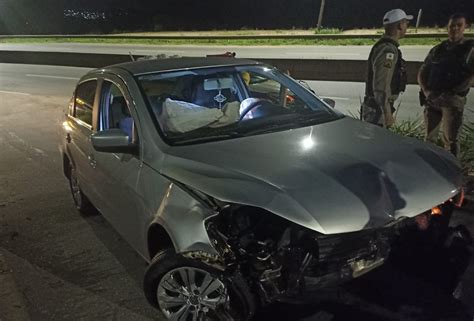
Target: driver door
<point x="117" y="174"/>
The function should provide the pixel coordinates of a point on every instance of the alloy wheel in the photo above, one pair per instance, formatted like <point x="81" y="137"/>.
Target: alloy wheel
<point x="191" y="294"/>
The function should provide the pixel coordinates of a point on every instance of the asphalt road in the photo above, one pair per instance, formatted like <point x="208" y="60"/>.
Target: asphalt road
<point x="410" y="53"/>
<point x="73" y="267"/>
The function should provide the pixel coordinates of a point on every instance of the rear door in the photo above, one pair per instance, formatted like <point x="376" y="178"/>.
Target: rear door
<point x="80" y="121"/>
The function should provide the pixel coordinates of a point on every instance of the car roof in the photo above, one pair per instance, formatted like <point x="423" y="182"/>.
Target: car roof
<point x="168" y="64"/>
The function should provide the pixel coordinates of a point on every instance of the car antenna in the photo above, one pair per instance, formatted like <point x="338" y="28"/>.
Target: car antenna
<point x="131" y="56"/>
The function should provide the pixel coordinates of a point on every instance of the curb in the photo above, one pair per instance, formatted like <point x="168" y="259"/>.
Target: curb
<point x="12" y="301"/>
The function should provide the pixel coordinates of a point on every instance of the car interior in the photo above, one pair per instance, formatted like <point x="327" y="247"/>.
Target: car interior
<point x="119" y="116"/>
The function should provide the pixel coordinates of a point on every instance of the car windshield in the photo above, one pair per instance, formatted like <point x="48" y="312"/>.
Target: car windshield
<point x="206" y="104"/>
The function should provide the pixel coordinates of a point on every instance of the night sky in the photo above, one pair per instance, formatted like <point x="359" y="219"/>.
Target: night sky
<point x="102" y="16"/>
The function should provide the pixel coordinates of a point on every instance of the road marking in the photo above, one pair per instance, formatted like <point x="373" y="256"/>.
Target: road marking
<point x="14" y="93"/>
<point x="39" y="151"/>
<point x="26" y="147"/>
<point x="53" y="77"/>
<point x="15" y="136"/>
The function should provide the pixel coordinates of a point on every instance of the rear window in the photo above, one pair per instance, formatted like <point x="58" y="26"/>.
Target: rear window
<point x="84" y="101"/>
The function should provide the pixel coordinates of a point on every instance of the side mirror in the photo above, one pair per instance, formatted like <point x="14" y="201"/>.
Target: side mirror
<point x="330" y="102"/>
<point x="113" y="141"/>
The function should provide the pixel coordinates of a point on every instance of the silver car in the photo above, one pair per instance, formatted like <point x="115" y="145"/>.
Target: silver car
<point x="240" y="186"/>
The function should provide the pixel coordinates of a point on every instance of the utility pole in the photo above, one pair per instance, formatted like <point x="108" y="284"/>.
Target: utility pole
<point x="321" y="13"/>
<point x="418" y="19"/>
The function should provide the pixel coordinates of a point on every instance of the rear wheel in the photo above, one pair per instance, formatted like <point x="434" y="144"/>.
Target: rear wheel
<point x="81" y="201"/>
<point x="186" y="289"/>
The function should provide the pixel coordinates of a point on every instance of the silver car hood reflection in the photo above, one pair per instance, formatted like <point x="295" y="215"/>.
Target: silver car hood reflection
<point x="335" y="177"/>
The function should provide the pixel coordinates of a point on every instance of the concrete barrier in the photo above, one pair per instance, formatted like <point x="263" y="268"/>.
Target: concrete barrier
<point x="333" y="70"/>
<point x="62" y="58"/>
<point x="308" y="69"/>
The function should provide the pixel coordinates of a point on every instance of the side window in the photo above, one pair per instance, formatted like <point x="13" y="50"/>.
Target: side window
<point x="114" y="111"/>
<point x="84" y="101"/>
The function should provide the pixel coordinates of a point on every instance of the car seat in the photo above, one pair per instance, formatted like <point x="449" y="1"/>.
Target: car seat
<point x="120" y="116"/>
<point x="126" y="125"/>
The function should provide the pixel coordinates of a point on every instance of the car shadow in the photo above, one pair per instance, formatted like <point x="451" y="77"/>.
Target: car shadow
<point x="130" y="261"/>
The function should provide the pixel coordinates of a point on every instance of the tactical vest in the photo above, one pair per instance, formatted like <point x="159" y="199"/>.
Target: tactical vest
<point x="399" y="78"/>
<point x="447" y="67"/>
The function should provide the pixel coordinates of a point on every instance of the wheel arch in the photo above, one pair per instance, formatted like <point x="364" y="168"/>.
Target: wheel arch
<point x="158" y="239"/>
<point x="179" y="224"/>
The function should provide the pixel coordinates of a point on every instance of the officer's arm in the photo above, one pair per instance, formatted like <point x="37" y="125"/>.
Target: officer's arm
<point x="422" y="73"/>
<point x="470" y="59"/>
<point x="466" y="84"/>
<point x="469" y="81"/>
<point x="421" y="78"/>
<point x="384" y="67"/>
<point x="470" y="63"/>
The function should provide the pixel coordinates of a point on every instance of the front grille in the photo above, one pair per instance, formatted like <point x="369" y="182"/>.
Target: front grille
<point x="336" y="252"/>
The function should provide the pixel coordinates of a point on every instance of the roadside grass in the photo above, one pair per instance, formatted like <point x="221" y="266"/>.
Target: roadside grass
<point x="242" y="32"/>
<point x="225" y="42"/>
<point x="466" y="156"/>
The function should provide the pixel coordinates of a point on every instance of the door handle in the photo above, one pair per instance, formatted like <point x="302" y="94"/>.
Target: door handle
<point x="92" y="161"/>
<point x="68" y="138"/>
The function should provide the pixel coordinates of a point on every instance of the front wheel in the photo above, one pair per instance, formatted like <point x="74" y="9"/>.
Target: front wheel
<point x="186" y="289"/>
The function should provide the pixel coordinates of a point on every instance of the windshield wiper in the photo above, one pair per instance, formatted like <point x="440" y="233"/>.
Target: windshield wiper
<point x="287" y="123"/>
<point x="268" y="128"/>
<point x="317" y="118"/>
<point x="209" y="138"/>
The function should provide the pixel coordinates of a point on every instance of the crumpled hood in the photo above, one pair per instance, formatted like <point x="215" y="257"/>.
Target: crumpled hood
<point x="335" y="177"/>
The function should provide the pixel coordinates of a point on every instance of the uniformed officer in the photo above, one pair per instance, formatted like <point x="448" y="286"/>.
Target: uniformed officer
<point x="386" y="76"/>
<point x="445" y="78"/>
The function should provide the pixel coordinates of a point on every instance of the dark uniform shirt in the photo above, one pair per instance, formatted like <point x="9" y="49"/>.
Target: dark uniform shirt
<point x="446" y="77"/>
<point x="448" y="70"/>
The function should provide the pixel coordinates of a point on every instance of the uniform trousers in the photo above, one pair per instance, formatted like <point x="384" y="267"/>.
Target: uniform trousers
<point x="445" y="112"/>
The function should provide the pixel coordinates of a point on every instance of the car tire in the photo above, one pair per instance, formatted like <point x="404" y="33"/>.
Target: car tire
<point x="81" y="201"/>
<point x="167" y="268"/>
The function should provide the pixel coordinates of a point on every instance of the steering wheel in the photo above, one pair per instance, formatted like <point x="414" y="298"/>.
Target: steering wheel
<point x="251" y="106"/>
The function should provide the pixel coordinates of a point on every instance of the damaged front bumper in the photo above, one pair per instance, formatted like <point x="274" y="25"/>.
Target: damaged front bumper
<point x="342" y="257"/>
<point x="281" y="260"/>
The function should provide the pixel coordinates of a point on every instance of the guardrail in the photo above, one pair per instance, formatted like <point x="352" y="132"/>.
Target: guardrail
<point x="234" y="37"/>
<point x="308" y="69"/>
